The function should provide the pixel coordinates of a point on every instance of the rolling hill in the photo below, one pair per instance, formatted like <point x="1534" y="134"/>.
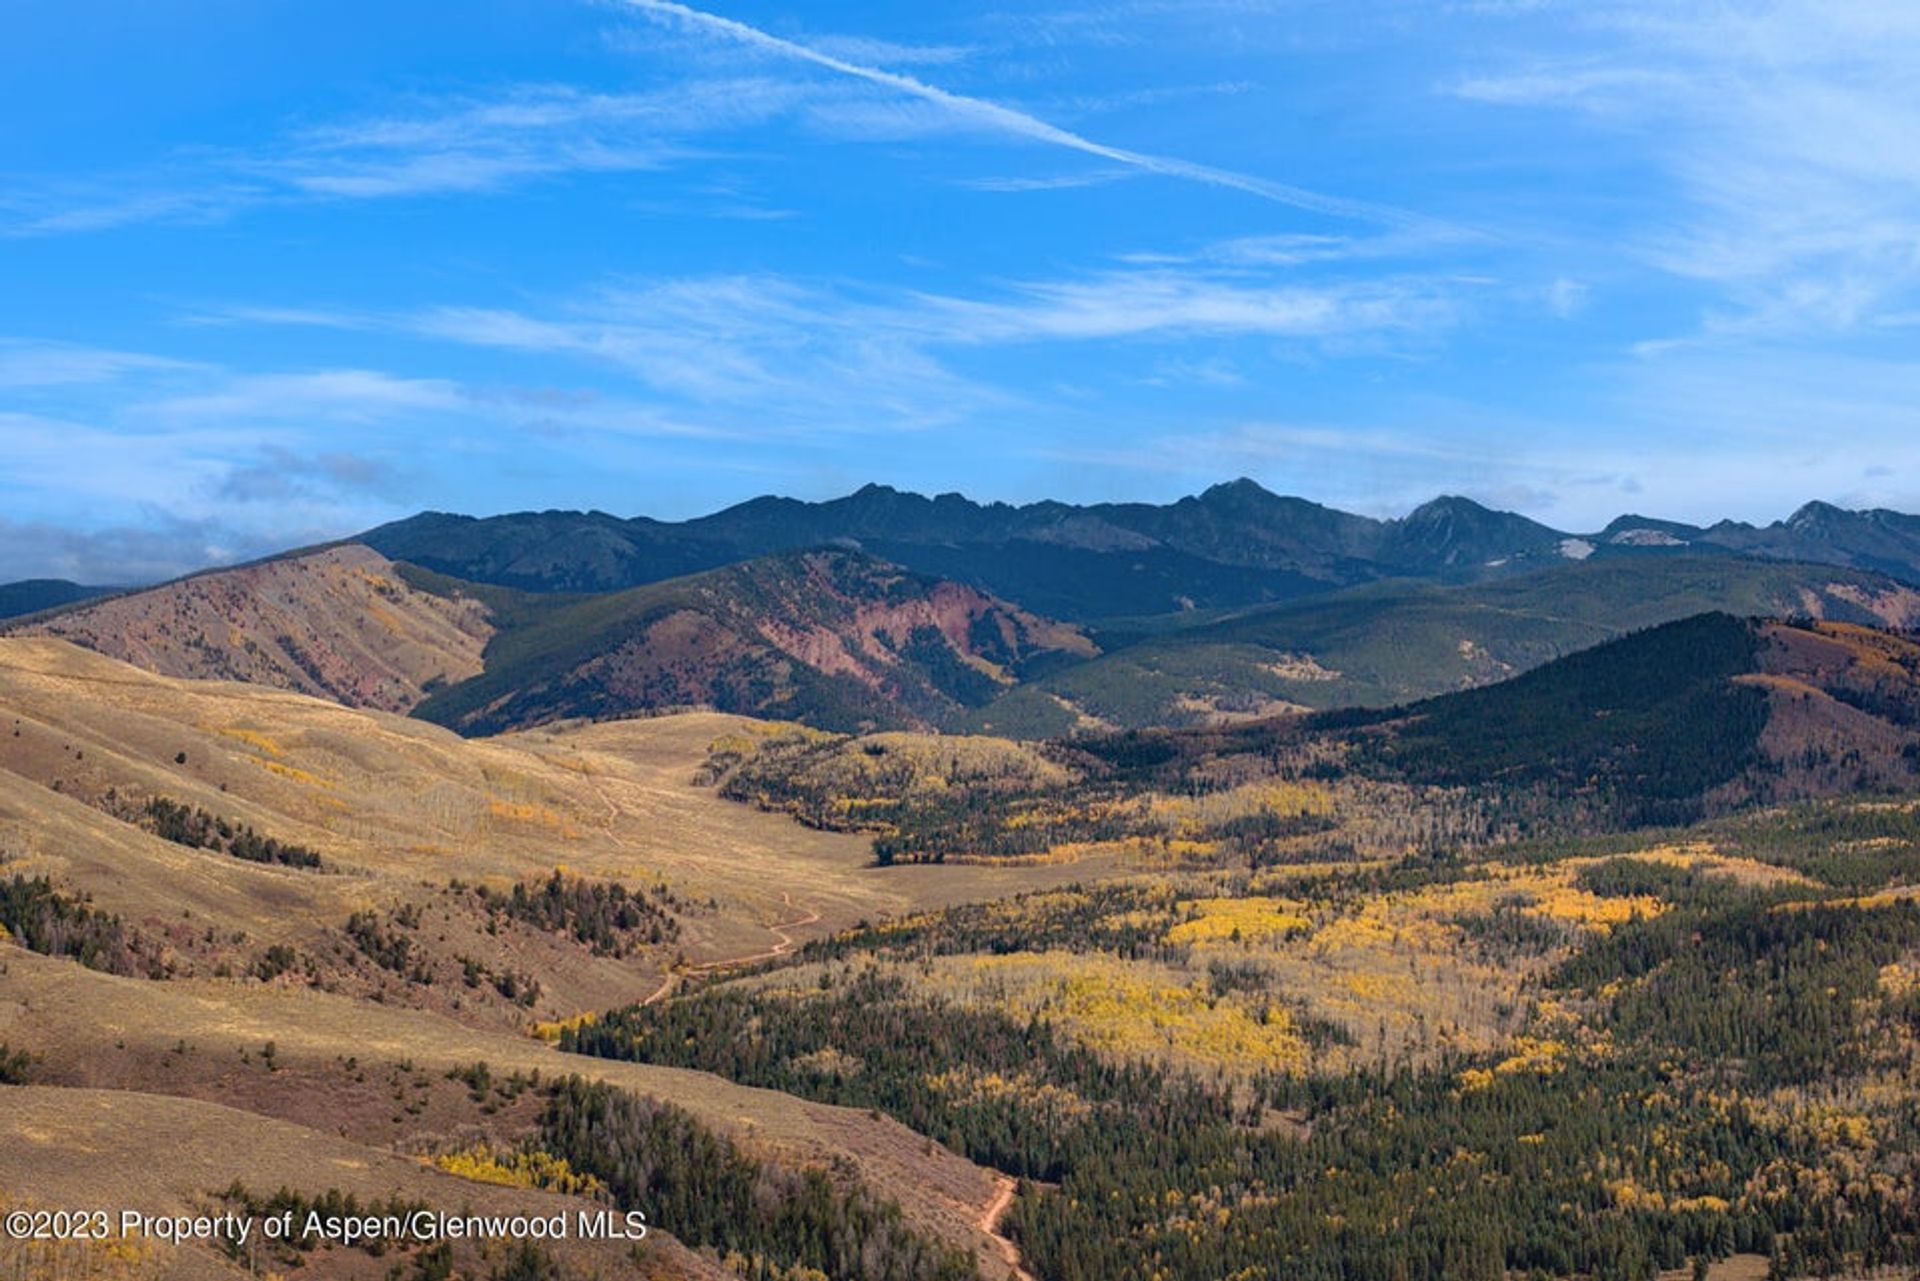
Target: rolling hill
<point x="362" y="1025"/>
<point x="1394" y="642"/>
<point x="155" y="985"/>
<point x="830" y="636"/>
<point x="841" y="639"/>
<point x="338" y="622"/>
<point x="1705" y="716"/>
<point x="900" y="611"/>
<point x="834" y="638"/>
<point x="1702" y="715"/>
<point x="1698" y="716"/>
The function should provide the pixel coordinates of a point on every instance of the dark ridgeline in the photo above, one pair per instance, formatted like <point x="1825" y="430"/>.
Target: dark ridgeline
<point x="32" y="595"/>
<point x="1235" y="544"/>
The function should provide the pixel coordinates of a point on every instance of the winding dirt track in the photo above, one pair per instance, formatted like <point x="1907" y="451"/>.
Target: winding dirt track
<point x="666" y="986"/>
<point x="1003" y="1189"/>
<point x="781" y="948"/>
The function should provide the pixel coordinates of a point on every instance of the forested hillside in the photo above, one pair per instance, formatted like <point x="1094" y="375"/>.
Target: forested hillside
<point x="1395" y="642"/>
<point x="1667" y="725"/>
<point x="1560" y="1061"/>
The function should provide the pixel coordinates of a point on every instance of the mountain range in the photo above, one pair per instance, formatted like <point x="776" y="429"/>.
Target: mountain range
<point x="885" y="609"/>
<point x="1235" y="544"/>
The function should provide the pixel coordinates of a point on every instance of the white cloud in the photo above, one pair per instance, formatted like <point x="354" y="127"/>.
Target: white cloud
<point x="1594" y="88"/>
<point x="161" y="546"/>
<point x="1572" y="479"/>
<point x="831" y="356"/>
<point x="67" y="458"/>
<point x="872" y="49"/>
<point x="467" y="144"/>
<point x="218" y="463"/>
<point x="72" y="208"/>
<point x="457" y="144"/>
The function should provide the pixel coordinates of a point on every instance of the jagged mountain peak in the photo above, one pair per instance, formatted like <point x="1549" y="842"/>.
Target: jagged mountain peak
<point x="1249" y="495"/>
<point x="1447" y="503"/>
<point x="1456" y="532"/>
<point x="1816" y="514"/>
<point x="1241" y="487"/>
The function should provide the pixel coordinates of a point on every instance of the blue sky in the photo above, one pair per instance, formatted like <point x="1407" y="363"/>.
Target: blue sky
<point x="275" y="271"/>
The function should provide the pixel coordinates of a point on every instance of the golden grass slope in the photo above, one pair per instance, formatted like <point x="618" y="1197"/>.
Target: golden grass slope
<point x="398" y="808"/>
<point x="68" y="1148"/>
<point x="339" y="623"/>
<point x="386" y="796"/>
<point x="95" y="1031"/>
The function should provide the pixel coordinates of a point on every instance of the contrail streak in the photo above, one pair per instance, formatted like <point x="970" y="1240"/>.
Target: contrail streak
<point x="1019" y="123"/>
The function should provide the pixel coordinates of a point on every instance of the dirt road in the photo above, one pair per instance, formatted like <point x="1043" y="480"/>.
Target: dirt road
<point x="1003" y="1190"/>
<point x="784" y="945"/>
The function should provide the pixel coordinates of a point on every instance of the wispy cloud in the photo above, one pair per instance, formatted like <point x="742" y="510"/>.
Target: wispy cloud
<point x="450" y="145"/>
<point x="67" y="207"/>
<point x="482" y="144"/>
<point x="26" y="364"/>
<point x="332" y="395"/>
<point x="803" y="357"/>
<point x="1057" y="182"/>
<point x="1010" y="121"/>
<point x="898" y="53"/>
<point x="280" y="475"/>
<point x="792" y="355"/>
<point x="1594" y="88"/>
<point x="159" y="546"/>
<point x="1574" y="479"/>
<point x="500" y="139"/>
<point x="217" y="463"/>
<point x="1172" y="303"/>
<point x="1785" y="130"/>
<point x="1152" y="96"/>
